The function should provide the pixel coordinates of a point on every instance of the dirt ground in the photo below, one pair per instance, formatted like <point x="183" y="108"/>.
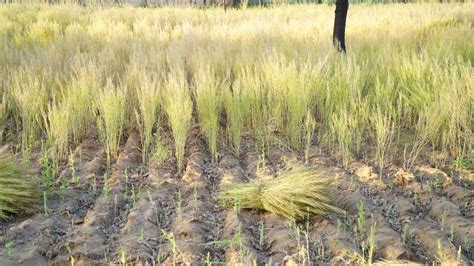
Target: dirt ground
<point x="148" y="214"/>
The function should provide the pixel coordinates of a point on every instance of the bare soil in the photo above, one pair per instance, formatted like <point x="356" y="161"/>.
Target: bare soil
<point x="148" y="213"/>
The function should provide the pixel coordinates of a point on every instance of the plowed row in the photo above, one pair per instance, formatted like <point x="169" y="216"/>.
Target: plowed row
<point x="150" y="214"/>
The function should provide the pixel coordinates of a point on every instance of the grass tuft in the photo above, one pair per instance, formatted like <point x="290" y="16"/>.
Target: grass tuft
<point x="179" y="107"/>
<point x="295" y="194"/>
<point x="19" y="190"/>
<point x="147" y="113"/>
<point x="207" y="89"/>
<point x="236" y="108"/>
<point x="110" y="119"/>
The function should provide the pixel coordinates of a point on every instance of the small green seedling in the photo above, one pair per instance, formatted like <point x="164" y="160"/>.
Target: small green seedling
<point x="71" y="257"/>
<point x="142" y="234"/>
<point x="406" y="233"/>
<point x="174" y="247"/>
<point x="45" y="203"/>
<point x="106" y="188"/>
<point x="451" y="233"/>
<point x="459" y="253"/>
<point x="361" y="219"/>
<point x="9" y="248"/>
<point x="261" y="233"/>
<point x="74" y="177"/>
<point x="443" y="219"/>
<point x="391" y="185"/>
<point x="179" y="203"/>
<point x="123" y="256"/>
<point x="440" y="254"/>
<point x="372" y="245"/>
<point x="63" y="187"/>
<point x="338" y="226"/>
<point x="134" y="198"/>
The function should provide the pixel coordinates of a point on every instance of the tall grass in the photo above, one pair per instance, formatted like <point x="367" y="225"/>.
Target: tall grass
<point x="179" y="107"/>
<point x="207" y="92"/>
<point x="289" y="97"/>
<point x="110" y="106"/>
<point x="236" y="109"/>
<point x="69" y="116"/>
<point x="3" y="110"/>
<point x="31" y="98"/>
<point x="259" y="119"/>
<point x="403" y="93"/>
<point x="309" y="127"/>
<point x="148" y="112"/>
<point x="382" y="119"/>
<point x="384" y="129"/>
<point x="58" y="127"/>
<point x="78" y="98"/>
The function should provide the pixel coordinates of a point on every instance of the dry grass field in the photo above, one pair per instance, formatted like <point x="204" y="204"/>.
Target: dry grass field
<point x="122" y="129"/>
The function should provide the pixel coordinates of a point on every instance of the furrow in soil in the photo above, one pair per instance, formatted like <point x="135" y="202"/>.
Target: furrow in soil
<point x="141" y="240"/>
<point x="39" y="240"/>
<point x="94" y="241"/>
<point x="197" y="222"/>
<point x="241" y="248"/>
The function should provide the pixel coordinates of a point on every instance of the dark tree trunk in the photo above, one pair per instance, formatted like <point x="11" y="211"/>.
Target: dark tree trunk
<point x="339" y="39"/>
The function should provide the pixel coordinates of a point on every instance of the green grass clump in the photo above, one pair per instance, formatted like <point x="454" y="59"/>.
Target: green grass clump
<point x="236" y="108"/>
<point x="295" y="194"/>
<point x="289" y="97"/>
<point x="207" y="89"/>
<point x="179" y="108"/>
<point x="110" y="119"/>
<point x="147" y="113"/>
<point x="30" y="98"/>
<point x="57" y="128"/>
<point x="18" y="188"/>
<point x="68" y="117"/>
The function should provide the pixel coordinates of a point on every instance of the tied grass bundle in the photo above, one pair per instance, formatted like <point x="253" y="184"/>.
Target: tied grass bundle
<point x="19" y="190"/>
<point x="295" y="194"/>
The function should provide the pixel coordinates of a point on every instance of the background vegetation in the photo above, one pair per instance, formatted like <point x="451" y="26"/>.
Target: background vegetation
<point x="403" y="90"/>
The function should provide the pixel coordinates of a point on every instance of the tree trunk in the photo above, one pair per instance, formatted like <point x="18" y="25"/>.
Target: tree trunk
<point x="339" y="39"/>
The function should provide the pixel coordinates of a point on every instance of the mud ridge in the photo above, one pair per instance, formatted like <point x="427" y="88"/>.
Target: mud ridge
<point x="280" y="236"/>
<point x="241" y="247"/>
<point x="438" y="203"/>
<point x="197" y="222"/>
<point x="445" y="186"/>
<point x="409" y="217"/>
<point x="331" y="239"/>
<point x="140" y="241"/>
<point x="93" y="241"/>
<point x="39" y="240"/>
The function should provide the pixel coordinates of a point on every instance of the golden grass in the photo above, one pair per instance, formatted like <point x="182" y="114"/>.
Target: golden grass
<point x="110" y="119"/>
<point x="19" y="190"/>
<point x="403" y="88"/>
<point x="178" y="107"/>
<point x="207" y="92"/>
<point x="297" y="193"/>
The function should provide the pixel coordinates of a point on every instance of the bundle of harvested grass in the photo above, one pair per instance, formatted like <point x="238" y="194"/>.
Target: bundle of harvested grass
<point x="19" y="190"/>
<point x="296" y="194"/>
